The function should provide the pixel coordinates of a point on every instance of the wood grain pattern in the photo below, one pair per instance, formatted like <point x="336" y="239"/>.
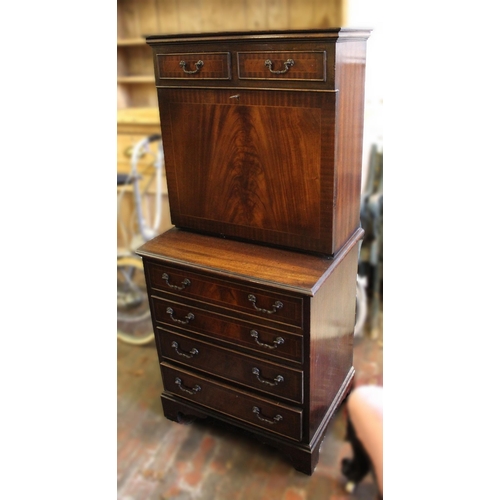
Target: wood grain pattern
<point x="275" y="162"/>
<point x="307" y="65"/>
<point x="252" y="169"/>
<point x="222" y="382"/>
<point x="189" y="15"/>
<point x="264" y="266"/>
<point x="255" y="166"/>
<point x="206" y="321"/>
<point x="216" y="66"/>
<point x="230" y="295"/>
<point x="239" y="334"/>
<point x="159" y="458"/>
<point x="167" y="15"/>
<point x="333" y="312"/>
<point x="137" y="18"/>
<point x="350" y="79"/>
<point x="315" y="71"/>
<point x="267" y="165"/>
<point x="233" y="366"/>
<point x="234" y="403"/>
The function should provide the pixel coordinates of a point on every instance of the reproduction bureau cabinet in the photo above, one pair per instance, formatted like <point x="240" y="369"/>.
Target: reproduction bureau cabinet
<point x="253" y="293"/>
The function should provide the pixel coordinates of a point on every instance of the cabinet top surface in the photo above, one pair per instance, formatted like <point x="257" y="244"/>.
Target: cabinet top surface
<point x="286" y="269"/>
<point x="333" y="33"/>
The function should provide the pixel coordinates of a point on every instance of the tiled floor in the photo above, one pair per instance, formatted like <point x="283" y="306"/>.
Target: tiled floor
<point x="159" y="459"/>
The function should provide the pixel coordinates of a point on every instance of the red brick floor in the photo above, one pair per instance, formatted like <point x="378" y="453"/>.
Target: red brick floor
<point x="207" y="460"/>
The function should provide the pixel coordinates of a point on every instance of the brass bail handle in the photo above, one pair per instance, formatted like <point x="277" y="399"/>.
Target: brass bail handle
<point x="275" y="419"/>
<point x="197" y="65"/>
<point x="277" y="305"/>
<point x="189" y="317"/>
<point x="288" y="64"/>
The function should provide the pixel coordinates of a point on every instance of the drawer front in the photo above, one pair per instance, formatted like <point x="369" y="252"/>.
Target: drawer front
<point x="241" y="334"/>
<point x="246" y="370"/>
<point x="282" y="65"/>
<point x="199" y="66"/>
<point x="273" y="306"/>
<point x="258" y="412"/>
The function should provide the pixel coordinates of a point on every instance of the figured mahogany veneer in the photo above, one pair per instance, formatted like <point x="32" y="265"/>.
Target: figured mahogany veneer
<point x="253" y="294"/>
<point x="262" y="134"/>
<point x="256" y="336"/>
<point x="307" y="65"/>
<point x="215" y="66"/>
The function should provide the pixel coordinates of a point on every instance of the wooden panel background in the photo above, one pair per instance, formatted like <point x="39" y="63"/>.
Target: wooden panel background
<point x="140" y="17"/>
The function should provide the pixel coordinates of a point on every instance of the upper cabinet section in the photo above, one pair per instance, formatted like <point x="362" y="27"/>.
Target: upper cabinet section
<point x="262" y="134"/>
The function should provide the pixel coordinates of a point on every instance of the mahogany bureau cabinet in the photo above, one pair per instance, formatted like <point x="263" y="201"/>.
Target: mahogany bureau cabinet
<point x="253" y="293"/>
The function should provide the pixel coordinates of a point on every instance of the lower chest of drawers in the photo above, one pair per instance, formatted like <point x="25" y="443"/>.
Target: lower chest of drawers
<point x="255" y="352"/>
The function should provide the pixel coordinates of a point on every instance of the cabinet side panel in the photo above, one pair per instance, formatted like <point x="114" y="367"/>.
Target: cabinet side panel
<point x="333" y="311"/>
<point x="350" y="80"/>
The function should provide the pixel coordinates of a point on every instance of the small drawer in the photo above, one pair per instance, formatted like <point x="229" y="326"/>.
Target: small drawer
<point x="251" y="372"/>
<point x="282" y="65"/>
<point x="268" y="305"/>
<point x="201" y="66"/>
<point x="259" y="412"/>
<point x="237" y="332"/>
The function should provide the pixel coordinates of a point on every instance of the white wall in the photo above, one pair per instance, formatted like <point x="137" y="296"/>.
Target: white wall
<point x="368" y="14"/>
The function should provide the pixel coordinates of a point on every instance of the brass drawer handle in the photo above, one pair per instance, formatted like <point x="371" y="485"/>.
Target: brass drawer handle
<point x="187" y="318"/>
<point x="275" y="419"/>
<point x="277" y="342"/>
<point x="198" y="66"/>
<point x="288" y="64"/>
<point x="277" y="305"/>
<point x="192" y="390"/>
<point x="183" y="285"/>
<point x="190" y="354"/>
<point x="276" y="380"/>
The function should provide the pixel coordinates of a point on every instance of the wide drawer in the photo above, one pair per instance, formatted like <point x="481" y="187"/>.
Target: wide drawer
<point x="282" y="65"/>
<point x="235" y="367"/>
<point x="200" y="65"/>
<point x="259" y="412"/>
<point x="275" y="306"/>
<point x="238" y="333"/>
